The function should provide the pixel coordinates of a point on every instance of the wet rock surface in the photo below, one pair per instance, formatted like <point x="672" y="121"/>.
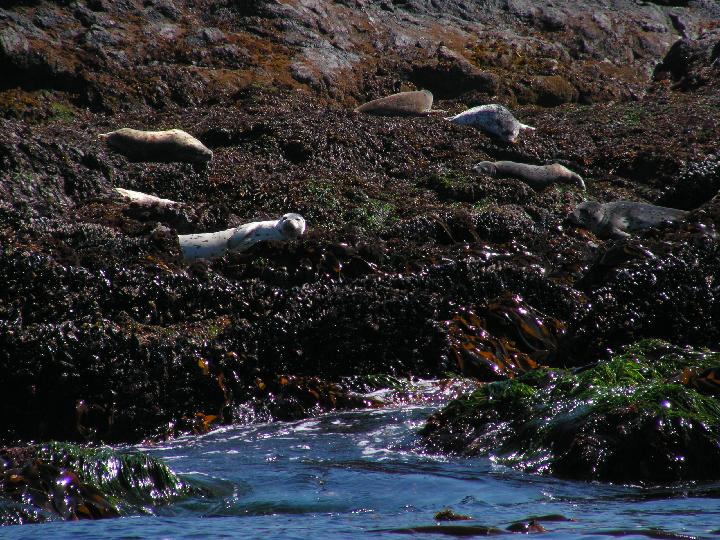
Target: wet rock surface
<point x="66" y="482"/>
<point x="648" y="414"/>
<point x="410" y="257"/>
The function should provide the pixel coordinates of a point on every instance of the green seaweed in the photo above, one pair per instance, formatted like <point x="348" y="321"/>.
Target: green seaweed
<point x="60" y="111"/>
<point x="131" y="480"/>
<point x="65" y="481"/>
<point x="373" y="216"/>
<point x="578" y="423"/>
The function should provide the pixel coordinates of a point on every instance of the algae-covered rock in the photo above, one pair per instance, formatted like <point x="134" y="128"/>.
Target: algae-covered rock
<point x="64" y="481"/>
<point x="650" y="413"/>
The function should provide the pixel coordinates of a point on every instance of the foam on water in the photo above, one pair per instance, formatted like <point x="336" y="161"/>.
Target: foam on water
<point x="356" y="473"/>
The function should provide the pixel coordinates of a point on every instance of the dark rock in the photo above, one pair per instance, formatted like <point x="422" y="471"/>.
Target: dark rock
<point x="653" y="297"/>
<point x="692" y="63"/>
<point x="452" y="75"/>
<point x="696" y="185"/>
<point x="86" y="16"/>
<point x="42" y="483"/>
<point x="97" y="5"/>
<point x="554" y="90"/>
<point x="165" y="7"/>
<point x="13" y="44"/>
<point x="624" y="420"/>
<point x="401" y="238"/>
<point x="552" y="19"/>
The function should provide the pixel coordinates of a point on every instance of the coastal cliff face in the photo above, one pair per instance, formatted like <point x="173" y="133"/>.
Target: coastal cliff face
<point x="106" y="334"/>
<point x="153" y="55"/>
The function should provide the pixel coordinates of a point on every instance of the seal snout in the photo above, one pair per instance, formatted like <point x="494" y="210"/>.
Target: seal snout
<point x="485" y="167"/>
<point x="205" y="154"/>
<point x="291" y="225"/>
<point x="579" y="182"/>
<point x="571" y="220"/>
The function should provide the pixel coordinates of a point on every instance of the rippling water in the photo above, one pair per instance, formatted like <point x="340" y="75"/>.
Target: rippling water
<point x="361" y="473"/>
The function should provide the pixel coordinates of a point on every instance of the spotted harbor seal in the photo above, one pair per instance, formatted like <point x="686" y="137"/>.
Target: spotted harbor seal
<point x="165" y="146"/>
<point x="618" y="219"/>
<point x="538" y="176"/>
<point x="493" y="119"/>
<point x="416" y="103"/>
<point x="144" y="199"/>
<point x="217" y="244"/>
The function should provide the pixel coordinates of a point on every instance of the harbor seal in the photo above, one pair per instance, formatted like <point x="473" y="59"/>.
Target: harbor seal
<point x="618" y="219"/>
<point x="144" y="199"/>
<point x="538" y="176"/>
<point x="416" y="103"/>
<point x="217" y="244"/>
<point x="493" y="119"/>
<point x="164" y="146"/>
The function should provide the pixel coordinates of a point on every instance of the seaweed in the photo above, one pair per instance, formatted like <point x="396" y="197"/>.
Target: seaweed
<point x="629" y="418"/>
<point x="65" y="481"/>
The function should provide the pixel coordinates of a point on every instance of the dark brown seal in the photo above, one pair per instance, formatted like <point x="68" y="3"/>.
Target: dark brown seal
<point x="619" y="218"/>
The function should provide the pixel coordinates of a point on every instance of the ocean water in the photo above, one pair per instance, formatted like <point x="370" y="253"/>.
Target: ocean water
<point x="363" y="474"/>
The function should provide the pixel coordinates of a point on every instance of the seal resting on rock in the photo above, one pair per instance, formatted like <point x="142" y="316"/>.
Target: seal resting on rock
<point x="217" y="244"/>
<point x="144" y="199"/>
<point x="416" y="103"/>
<point x="618" y="219"/>
<point x="165" y="146"/>
<point x="538" y="176"/>
<point x="493" y="119"/>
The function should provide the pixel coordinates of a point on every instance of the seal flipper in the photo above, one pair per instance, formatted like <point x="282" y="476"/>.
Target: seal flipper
<point x="618" y="234"/>
<point x="579" y="182"/>
<point x="204" y="245"/>
<point x="239" y="236"/>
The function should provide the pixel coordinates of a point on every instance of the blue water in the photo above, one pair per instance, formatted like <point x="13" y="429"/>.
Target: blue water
<point x="361" y="474"/>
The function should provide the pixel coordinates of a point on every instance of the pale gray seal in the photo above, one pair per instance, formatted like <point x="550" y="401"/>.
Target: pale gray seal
<point x="618" y="219"/>
<point x="217" y="244"/>
<point x="170" y="145"/>
<point x="493" y="119"/>
<point x="538" y="176"/>
<point x="144" y="199"/>
<point x="414" y="103"/>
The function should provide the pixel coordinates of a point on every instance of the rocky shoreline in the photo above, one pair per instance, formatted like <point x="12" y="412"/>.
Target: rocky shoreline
<point x="413" y="264"/>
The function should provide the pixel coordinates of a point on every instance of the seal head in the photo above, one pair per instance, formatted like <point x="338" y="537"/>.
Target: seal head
<point x="588" y="214"/>
<point x="486" y="167"/>
<point x="291" y="226"/>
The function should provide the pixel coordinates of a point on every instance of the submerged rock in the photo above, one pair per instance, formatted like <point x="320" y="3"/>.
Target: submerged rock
<point x="647" y="414"/>
<point x="63" y="481"/>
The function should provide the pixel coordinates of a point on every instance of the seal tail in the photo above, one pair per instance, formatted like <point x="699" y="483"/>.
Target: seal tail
<point x="526" y="127"/>
<point x="104" y="136"/>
